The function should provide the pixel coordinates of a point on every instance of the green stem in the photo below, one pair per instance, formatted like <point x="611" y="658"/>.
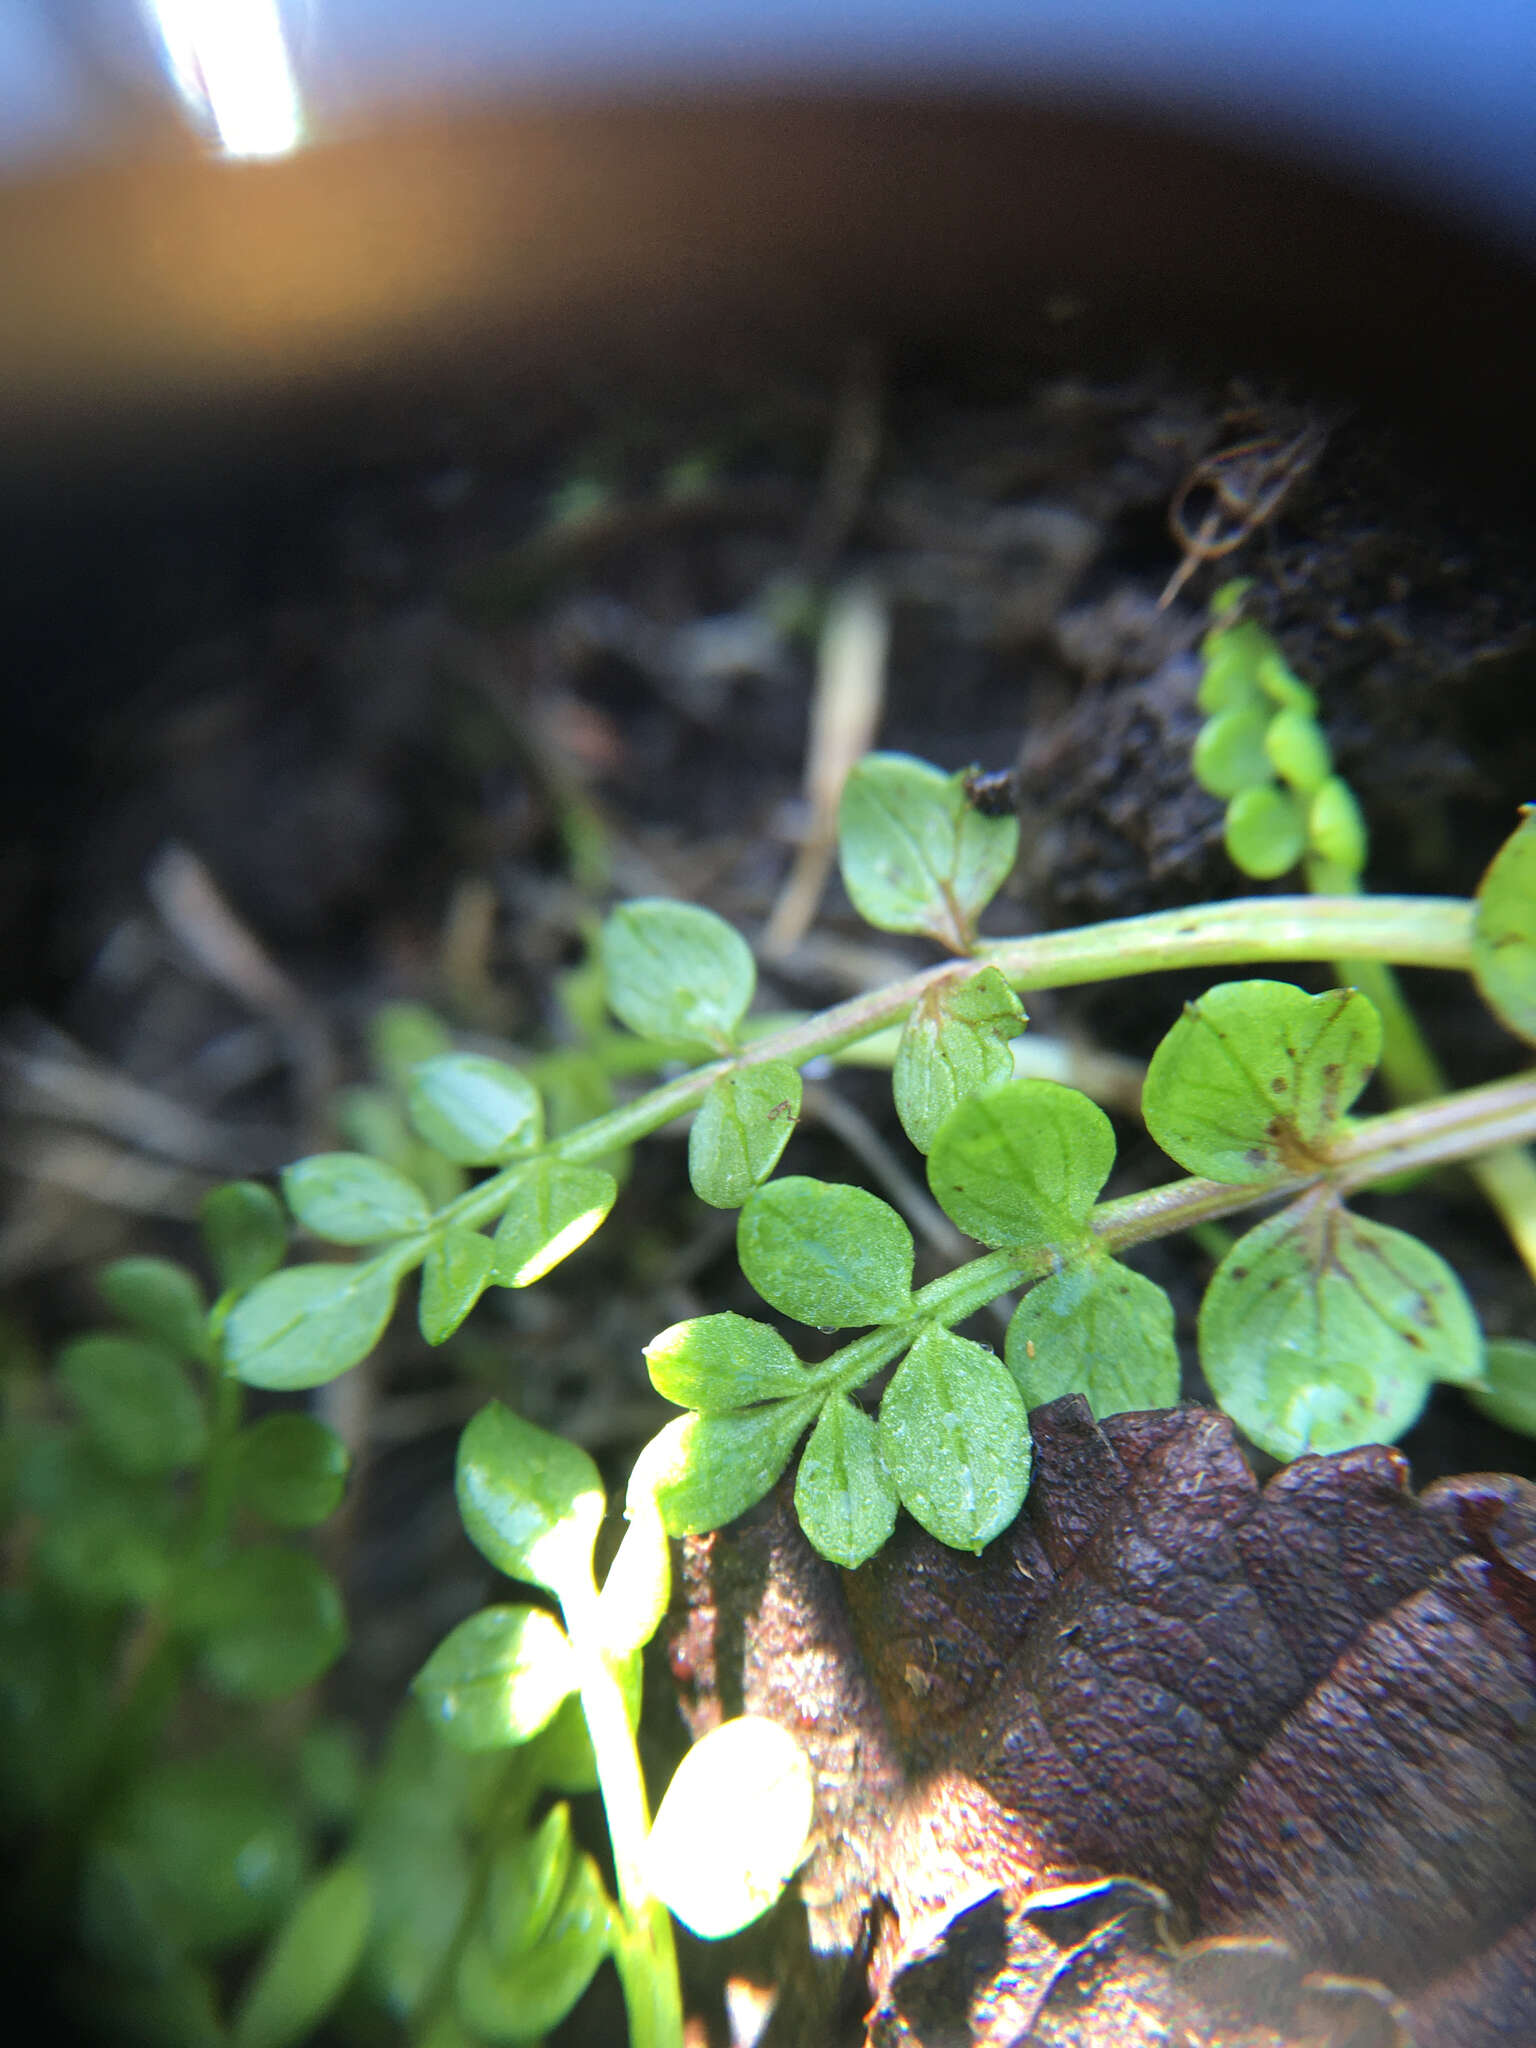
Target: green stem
<point x="647" y="1959"/>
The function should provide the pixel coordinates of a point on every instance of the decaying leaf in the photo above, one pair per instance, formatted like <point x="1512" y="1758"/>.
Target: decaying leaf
<point x="1177" y="1758"/>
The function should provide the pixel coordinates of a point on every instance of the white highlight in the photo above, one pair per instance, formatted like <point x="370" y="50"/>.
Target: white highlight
<point x="229" y="62"/>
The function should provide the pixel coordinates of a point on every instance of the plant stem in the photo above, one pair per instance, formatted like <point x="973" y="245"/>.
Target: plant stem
<point x="647" y="1960"/>
<point x="1420" y="931"/>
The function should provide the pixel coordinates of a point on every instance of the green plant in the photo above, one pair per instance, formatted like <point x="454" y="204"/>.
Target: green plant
<point x="467" y="1909"/>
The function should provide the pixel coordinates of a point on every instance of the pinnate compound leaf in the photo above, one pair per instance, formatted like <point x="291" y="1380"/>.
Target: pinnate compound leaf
<point x="1320" y="1331"/>
<point x="474" y="1110"/>
<point x="830" y="1255"/>
<point x="310" y="1961"/>
<point x="497" y="1679"/>
<point x="267" y="1621"/>
<point x="352" y="1199"/>
<point x="522" y="1998"/>
<point x="743" y="1125"/>
<point x="455" y="1274"/>
<point x="705" y="1470"/>
<point x="675" y="970"/>
<point x="954" y="1043"/>
<point x="916" y="855"/>
<point x="1507" y="1391"/>
<point x="309" y="1324"/>
<point x="843" y="1494"/>
<point x="139" y="1408"/>
<point x="732" y="1826"/>
<point x="714" y="1363"/>
<point x="531" y="1502"/>
<point x="1255" y="1078"/>
<point x="1022" y="1163"/>
<point x="1504" y="930"/>
<point x="1099" y="1330"/>
<point x="245" y="1231"/>
<point x="160" y="1298"/>
<point x="290" y="1469"/>
<point x="553" y="1208"/>
<point x="954" y="1436"/>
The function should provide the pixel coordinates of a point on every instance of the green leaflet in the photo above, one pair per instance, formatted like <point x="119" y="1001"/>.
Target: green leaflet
<point x="1504" y="930"/>
<point x="1096" y="1329"/>
<point x="267" y="1621"/>
<point x="528" y="1877"/>
<point x="553" y="1207"/>
<point x="352" y="1199"/>
<point x="716" y="1363"/>
<point x="290" y="1469"/>
<point x="245" y="1231"/>
<point x="456" y="1273"/>
<point x="916" y="855"/>
<point x="1266" y="831"/>
<point x="732" y="1826"/>
<point x="1229" y="753"/>
<point x="832" y="1256"/>
<point x="1320" y="1330"/>
<point x="309" y="1324"/>
<point x="160" y="1298"/>
<point x="310" y="1961"/>
<point x="705" y="1470"/>
<point x="674" y="970"/>
<point x="743" y="1125"/>
<point x="639" y="1582"/>
<point x="531" y="1502"/>
<point x="1022" y="1163"/>
<point x="1507" y="1392"/>
<point x="955" y="1041"/>
<point x="1255" y="1078"/>
<point x="498" y="1678"/>
<point x="844" y="1496"/>
<point x="475" y="1111"/>
<point x="522" y="1998"/>
<point x="139" y="1408"/>
<point x="955" y="1439"/>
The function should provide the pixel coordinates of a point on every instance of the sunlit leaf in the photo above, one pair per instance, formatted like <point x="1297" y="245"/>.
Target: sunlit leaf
<point x="954" y="1437"/>
<point x="916" y="855"/>
<point x="1255" y="1078"/>
<point x="531" y="1502"/>
<point x="1504" y="930"/>
<point x="498" y="1678"/>
<point x="955" y="1041"/>
<point x="553" y="1208"/>
<point x="160" y="1298"/>
<point x="309" y="1963"/>
<point x="267" y="1621"/>
<point x="843" y="1494"/>
<point x="826" y="1254"/>
<point x="290" y="1469"/>
<point x="714" y="1363"/>
<point x="732" y="1825"/>
<point x="1096" y="1329"/>
<point x="639" y="1582"/>
<point x="705" y="1470"/>
<point x="743" y="1125"/>
<point x="140" y="1409"/>
<point x="455" y="1274"/>
<point x="675" y="970"/>
<point x="1022" y="1163"/>
<point x="475" y="1110"/>
<point x="352" y="1199"/>
<point x="1320" y="1330"/>
<point x="309" y="1324"/>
